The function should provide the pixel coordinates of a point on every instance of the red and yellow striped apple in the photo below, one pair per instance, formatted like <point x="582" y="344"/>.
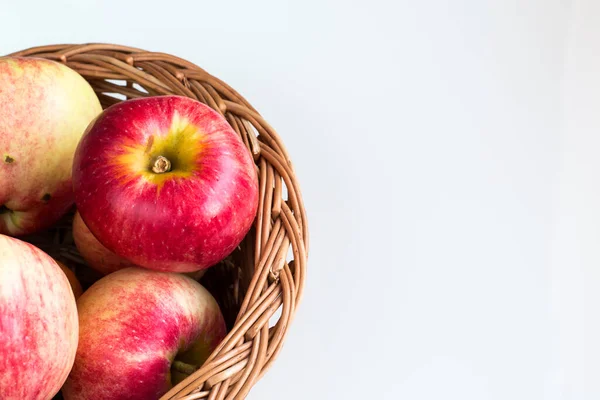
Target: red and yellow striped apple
<point x="140" y="332"/>
<point x="166" y="183"/>
<point x="45" y="108"/>
<point x="38" y="323"/>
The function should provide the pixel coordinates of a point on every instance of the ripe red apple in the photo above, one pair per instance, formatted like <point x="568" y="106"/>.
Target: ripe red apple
<point x="139" y="329"/>
<point x="73" y="281"/>
<point x="45" y="108"/>
<point x="166" y="183"/>
<point x="95" y="254"/>
<point x="38" y="323"/>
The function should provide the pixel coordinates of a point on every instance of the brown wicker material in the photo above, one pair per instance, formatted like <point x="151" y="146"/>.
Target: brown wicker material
<point x="263" y="275"/>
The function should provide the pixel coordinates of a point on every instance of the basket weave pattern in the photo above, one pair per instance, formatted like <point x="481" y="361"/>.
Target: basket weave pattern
<point x="266" y="273"/>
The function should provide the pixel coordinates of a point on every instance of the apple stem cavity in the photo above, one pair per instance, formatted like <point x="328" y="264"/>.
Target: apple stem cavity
<point x="183" y="367"/>
<point x="161" y="165"/>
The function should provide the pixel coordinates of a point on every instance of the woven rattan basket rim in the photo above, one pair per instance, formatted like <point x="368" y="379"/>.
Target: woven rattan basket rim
<point x="271" y="265"/>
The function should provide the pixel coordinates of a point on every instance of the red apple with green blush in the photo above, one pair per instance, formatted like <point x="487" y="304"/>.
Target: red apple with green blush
<point x="140" y="333"/>
<point x="45" y="107"/>
<point x="165" y="183"/>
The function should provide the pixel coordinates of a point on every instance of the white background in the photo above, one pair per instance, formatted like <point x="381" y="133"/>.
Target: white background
<point x="448" y="155"/>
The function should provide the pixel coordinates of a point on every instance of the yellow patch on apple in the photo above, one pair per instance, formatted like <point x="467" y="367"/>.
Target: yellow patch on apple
<point x="163" y="157"/>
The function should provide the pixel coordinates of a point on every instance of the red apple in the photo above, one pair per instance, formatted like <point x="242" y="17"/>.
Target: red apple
<point x="38" y="323"/>
<point x="95" y="254"/>
<point x="45" y="108"/>
<point x="139" y="331"/>
<point x="166" y="183"/>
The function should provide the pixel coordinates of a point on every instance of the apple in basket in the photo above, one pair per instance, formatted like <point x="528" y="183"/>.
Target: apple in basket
<point x="95" y="254"/>
<point x="166" y="183"/>
<point x="73" y="281"/>
<point x="141" y="332"/>
<point x="45" y="107"/>
<point x="38" y="323"/>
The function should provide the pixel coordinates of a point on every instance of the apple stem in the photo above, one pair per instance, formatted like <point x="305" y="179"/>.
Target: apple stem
<point x="161" y="165"/>
<point x="183" y="367"/>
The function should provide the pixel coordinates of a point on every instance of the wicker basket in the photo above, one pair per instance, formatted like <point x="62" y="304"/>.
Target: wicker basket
<point x="266" y="273"/>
